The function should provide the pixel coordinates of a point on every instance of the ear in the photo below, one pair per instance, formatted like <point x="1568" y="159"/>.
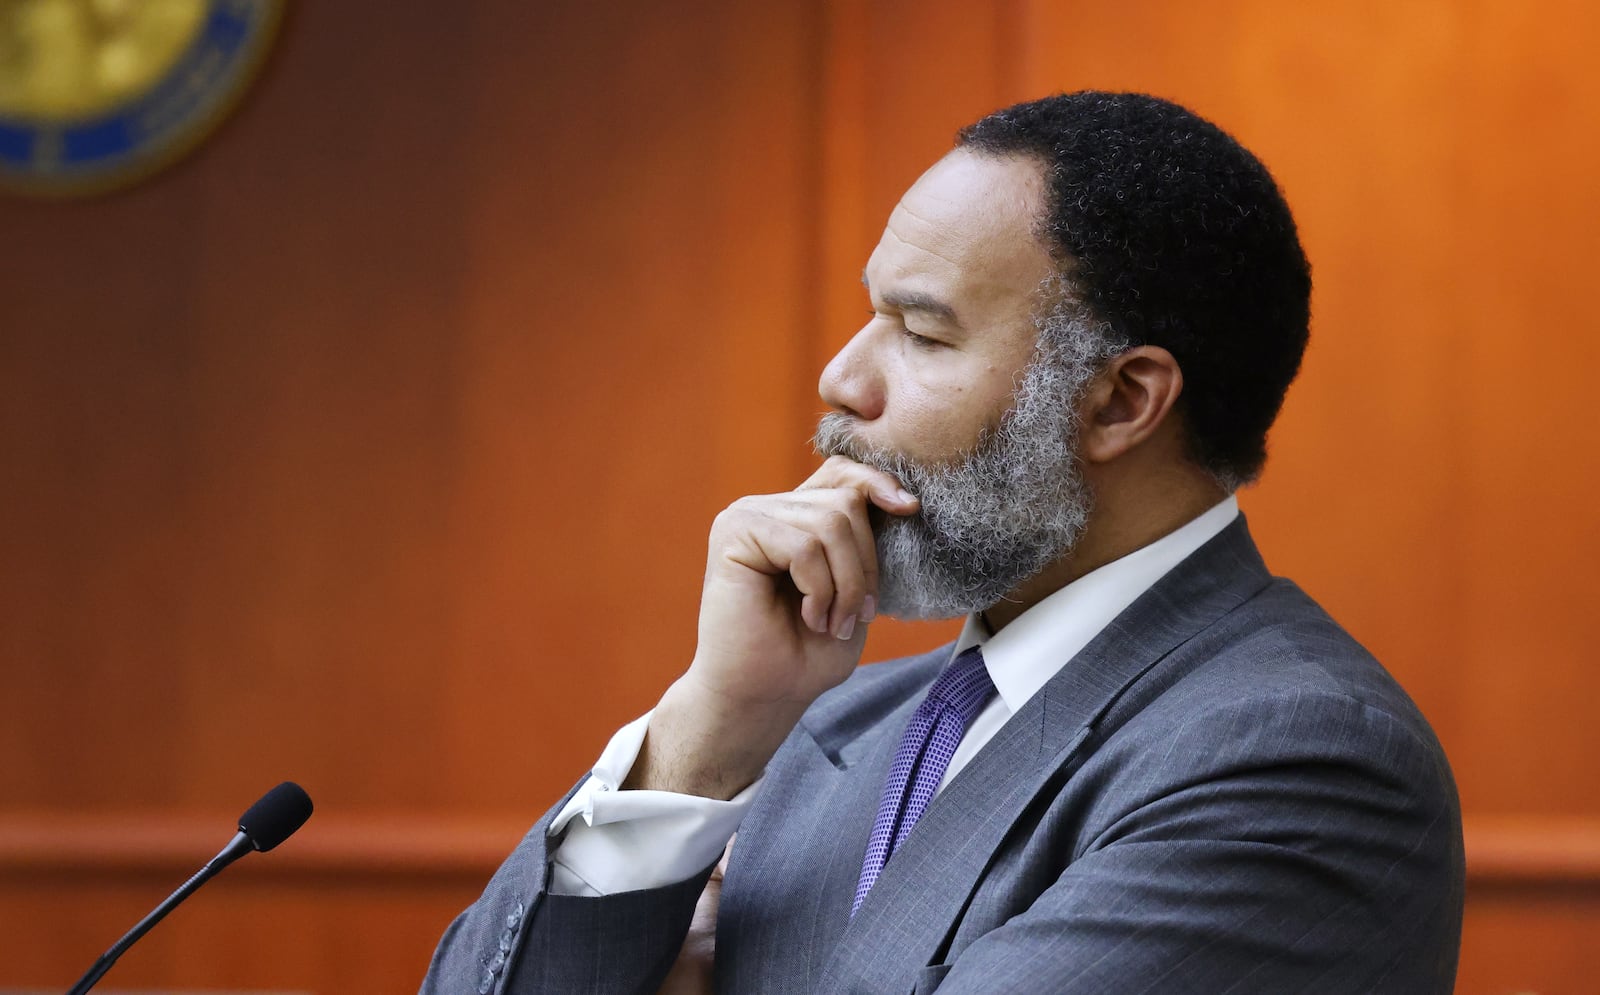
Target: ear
<point x="1128" y="402"/>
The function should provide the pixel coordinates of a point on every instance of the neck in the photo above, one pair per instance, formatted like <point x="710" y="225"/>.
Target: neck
<point x="1120" y="524"/>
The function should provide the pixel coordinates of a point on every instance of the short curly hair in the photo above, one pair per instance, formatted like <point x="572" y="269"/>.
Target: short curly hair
<point x="1173" y="235"/>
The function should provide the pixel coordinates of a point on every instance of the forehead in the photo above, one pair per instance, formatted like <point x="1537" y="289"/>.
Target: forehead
<point x="965" y="232"/>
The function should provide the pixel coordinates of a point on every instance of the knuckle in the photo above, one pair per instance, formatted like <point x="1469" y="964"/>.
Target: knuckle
<point x="745" y="510"/>
<point x="851" y="589"/>
<point x="837" y="523"/>
<point x="731" y="519"/>
<point x="844" y="498"/>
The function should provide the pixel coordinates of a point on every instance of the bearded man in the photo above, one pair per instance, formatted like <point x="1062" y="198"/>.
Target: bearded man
<point x="1146" y="765"/>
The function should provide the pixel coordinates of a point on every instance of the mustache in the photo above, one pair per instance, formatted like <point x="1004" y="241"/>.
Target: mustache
<point x="835" y="436"/>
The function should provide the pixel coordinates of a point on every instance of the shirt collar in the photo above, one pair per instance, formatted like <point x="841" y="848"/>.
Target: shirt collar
<point x="1028" y="652"/>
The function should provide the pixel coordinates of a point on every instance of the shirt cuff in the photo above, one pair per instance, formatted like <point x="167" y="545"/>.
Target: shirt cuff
<point x="620" y="841"/>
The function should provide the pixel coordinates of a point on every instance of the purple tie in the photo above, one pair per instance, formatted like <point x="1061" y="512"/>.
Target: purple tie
<point x="930" y="740"/>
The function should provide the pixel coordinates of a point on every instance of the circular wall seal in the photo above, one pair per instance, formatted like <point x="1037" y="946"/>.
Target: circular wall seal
<point x="95" y="94"/>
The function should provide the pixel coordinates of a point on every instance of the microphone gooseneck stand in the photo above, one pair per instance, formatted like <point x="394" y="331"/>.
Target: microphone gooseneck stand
<point x="240" y="846"/>
<point x="263" y="826"/>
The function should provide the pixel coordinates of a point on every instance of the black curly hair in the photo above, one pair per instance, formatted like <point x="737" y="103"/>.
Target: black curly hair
<point x="1173" y="235"/>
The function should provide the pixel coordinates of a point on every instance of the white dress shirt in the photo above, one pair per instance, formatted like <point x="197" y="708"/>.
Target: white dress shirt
<point x="629" y="840"/>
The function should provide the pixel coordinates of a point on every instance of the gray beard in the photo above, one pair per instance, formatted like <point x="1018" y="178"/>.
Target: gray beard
<point x="991" y="518"/>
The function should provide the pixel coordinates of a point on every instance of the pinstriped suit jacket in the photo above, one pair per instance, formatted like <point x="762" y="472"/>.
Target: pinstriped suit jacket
<point x="1223" y="792"/>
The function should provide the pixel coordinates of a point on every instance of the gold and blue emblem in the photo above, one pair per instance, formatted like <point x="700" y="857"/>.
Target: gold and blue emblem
<point x="95" y="94"/>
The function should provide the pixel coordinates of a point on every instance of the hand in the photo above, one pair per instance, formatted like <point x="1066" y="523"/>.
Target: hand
<point x="791" y="581"/>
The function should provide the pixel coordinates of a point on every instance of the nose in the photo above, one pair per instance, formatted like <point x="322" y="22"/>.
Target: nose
<point x="851" y="382"/>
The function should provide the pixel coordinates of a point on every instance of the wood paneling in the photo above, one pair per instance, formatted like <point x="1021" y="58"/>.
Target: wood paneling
<point x="1534" y="887"/>
<point x="1502" y="853"/>
<point x="1432" y="472"/>
<point x="375" y="445"/>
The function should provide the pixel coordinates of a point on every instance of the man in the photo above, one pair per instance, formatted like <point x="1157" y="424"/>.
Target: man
<point x="1146" y="765"/>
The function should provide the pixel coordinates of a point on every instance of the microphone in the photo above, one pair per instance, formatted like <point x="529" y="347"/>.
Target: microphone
<point x="263" y="826"/>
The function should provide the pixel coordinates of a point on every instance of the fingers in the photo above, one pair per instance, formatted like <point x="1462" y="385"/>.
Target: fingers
<point x="817" y="549"/>
<point x="839" y="516"/>
<point x="881" y="488"/>
<point x="818" y="535"/>
<point x="822" y="540"/>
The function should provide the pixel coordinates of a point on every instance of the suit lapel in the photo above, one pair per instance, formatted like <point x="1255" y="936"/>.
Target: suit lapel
<point x="786" y="897"/>
<point x="912" y="909"/>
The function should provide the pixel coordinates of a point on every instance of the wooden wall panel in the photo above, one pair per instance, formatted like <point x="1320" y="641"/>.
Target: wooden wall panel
<point x="1432" y="473"/>
<point x="375" y="445"/>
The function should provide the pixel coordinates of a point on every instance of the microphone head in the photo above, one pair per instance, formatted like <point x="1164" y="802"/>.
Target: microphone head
<point x="276" y="816"/>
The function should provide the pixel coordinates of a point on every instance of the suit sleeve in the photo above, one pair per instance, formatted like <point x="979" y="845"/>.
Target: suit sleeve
<point x="614" y="840"/>
<point x="1296" y="843"/>
<point x="519" y="939"/>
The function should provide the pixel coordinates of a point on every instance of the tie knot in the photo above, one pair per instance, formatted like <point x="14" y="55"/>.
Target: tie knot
<point x="964" y="687"/>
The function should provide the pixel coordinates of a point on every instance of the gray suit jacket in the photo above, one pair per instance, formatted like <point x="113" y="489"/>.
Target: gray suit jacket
<point x="1223" y="792"/>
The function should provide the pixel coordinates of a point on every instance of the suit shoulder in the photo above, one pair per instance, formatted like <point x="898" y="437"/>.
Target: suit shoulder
<point x="1276" y="691"/>
<point x="1281" y="643"/>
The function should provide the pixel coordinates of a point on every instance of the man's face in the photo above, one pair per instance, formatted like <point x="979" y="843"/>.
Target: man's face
<point x="953" y="388"/>
<point x="953" y="284"/>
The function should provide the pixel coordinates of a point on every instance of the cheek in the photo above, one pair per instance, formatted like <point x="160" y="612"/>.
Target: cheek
<point x="939" y="417"/>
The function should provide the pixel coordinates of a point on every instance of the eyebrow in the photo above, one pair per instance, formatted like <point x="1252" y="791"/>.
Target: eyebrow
<point x="916" y="301"/>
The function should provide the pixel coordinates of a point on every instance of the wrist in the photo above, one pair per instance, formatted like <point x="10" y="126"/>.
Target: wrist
<point x="701" y="744"/>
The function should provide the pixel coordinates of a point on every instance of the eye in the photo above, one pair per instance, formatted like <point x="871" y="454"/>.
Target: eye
<point x="917" y="341"/>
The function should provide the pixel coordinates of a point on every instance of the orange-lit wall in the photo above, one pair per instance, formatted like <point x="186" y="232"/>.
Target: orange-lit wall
<point x="374" y="445"/>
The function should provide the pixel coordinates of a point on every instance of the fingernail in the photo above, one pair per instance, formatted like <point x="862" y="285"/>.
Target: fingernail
<point x="847" y="627"/>
<point x="906" y="497"/>
<point x="869" y="608"/>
